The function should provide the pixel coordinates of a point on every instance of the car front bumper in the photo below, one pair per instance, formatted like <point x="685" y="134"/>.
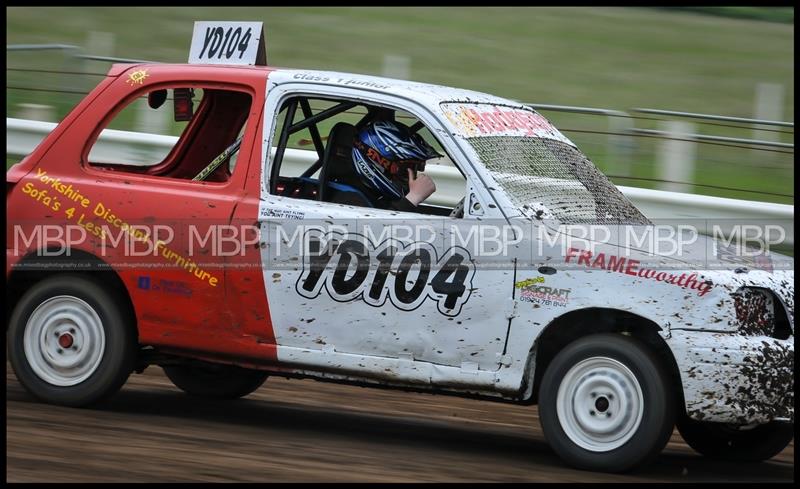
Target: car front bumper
<point x="729" y="378"/>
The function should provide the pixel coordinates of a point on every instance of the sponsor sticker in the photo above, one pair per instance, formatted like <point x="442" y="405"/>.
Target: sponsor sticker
<point x="146" y="283"/>
<point x="631" y="267"/>
<point x="473" y="120"/>
<point x="533" y="290"/>
<point x="137" y="77"/>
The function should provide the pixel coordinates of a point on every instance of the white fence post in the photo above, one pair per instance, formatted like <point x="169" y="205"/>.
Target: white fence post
<point x="100" y="43"/>
<point x="37" y="112"/>
<point x="620" y="146"/>
<point x="151" y="120"/>
<point x="395" y="66"/>
<point x="675" y="157"/>
<point x="768" y="106"/>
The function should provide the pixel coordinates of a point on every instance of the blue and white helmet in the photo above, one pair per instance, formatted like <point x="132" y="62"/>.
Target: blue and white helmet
<point x="382" y="153"/>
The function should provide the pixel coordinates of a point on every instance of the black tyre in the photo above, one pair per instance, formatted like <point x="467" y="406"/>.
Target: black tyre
<point x="605" y="404"/>
<point x="215" y="381"/>
<point x="740" y="444"/>
<point x="71" y="342"/>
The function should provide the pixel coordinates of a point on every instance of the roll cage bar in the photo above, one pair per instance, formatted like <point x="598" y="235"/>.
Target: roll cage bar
<point x="311" y="122"/>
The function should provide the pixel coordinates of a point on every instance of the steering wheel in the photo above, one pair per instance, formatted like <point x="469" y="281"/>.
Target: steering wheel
<point x="458" y="210"/>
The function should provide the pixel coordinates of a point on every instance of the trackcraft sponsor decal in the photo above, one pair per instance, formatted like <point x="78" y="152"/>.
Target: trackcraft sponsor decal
<point x="533" y="290"/>
<point x="606" y="261"/>
<point x="494" y="120"/>
<point x="349" y="268"/>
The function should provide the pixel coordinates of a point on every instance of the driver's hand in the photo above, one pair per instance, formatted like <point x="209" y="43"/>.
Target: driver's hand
<point x="419" y="188"/>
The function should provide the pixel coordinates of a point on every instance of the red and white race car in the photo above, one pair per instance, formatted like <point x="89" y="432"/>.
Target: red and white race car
<point x="234" y="254"/>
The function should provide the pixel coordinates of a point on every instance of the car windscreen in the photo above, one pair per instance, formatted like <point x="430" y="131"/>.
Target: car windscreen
<point x="537" y="166"/>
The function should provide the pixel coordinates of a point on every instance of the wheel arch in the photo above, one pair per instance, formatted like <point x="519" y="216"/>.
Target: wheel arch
<point x="41" y="264"/>
<point x="583" y="322"/>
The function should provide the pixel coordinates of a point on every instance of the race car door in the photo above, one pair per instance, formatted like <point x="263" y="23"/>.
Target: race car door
<point x="375" y="292"/>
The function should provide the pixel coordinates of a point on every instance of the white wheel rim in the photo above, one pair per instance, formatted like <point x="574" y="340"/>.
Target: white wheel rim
<point x="599" y="404"/>
<point x="64" y="340"/>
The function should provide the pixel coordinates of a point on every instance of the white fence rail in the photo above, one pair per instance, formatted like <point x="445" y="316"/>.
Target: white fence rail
<point x="22" y="136"/>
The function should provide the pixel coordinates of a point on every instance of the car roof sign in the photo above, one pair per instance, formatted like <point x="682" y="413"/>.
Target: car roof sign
<point x="232" y="43"/>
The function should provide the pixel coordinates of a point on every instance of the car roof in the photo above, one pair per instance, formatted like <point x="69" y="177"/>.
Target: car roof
<point x="423" y="92"/>
<point x="119" y="68"/>
<point x="427" y="93"/>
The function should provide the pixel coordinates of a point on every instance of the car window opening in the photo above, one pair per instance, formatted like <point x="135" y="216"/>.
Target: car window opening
<point x="200" y="133"/>
<point x="326" y="130"/>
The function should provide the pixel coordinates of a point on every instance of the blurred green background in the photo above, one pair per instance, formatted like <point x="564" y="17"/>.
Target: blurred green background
<point x="615" y="58"/>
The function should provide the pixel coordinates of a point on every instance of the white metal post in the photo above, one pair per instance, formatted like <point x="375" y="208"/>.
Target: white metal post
<point x="675" y="157"/>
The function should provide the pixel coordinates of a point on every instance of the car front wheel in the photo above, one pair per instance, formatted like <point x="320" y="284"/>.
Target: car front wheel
<point x="605" y="404"/>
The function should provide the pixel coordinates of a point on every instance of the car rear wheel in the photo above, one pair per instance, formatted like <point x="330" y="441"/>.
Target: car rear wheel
<point x="70" y="341"/>
<point x="605" y="404"/>
<point x="215" y="381"/>
<point x="737" y="443"/>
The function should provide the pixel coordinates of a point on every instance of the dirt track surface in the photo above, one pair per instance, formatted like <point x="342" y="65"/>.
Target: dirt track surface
<point x="302" y="430"/>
